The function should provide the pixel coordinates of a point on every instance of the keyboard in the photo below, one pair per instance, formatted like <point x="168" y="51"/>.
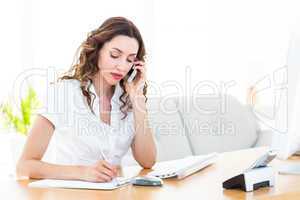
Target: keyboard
<point x="184" y="167"/>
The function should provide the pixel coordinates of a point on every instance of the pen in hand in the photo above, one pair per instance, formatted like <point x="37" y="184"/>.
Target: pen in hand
<point x="103" y="155"/>
<point x="113" y="168"/>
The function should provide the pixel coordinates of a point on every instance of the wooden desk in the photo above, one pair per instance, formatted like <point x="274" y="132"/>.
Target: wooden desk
<point x="206" y="184"/>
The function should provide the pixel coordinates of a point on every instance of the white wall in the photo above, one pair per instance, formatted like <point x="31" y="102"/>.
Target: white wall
<point x="223" y="40"/>
<point x="219" y="40"/>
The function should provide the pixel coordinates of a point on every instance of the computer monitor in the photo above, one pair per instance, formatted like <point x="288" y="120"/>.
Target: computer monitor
<point x="290" y="142"/>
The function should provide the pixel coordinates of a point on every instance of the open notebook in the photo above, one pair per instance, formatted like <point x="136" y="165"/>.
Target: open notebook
<point x="53" y="183"/>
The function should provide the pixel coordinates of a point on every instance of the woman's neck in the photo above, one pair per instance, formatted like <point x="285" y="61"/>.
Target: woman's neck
<point x="102" y="88"/>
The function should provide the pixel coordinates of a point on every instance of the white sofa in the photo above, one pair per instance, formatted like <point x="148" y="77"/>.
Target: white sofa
<point x="191" y="126"/>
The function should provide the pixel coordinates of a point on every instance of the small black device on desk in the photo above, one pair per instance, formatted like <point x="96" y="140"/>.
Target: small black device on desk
<point x="147" y="181"/>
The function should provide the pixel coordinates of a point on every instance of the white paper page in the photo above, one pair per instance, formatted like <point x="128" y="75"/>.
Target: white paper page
<point x="46" y="183"/>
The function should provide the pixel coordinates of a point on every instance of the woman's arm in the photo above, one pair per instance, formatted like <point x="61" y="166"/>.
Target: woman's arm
<point x="143" y="146"/>
<point x="30" y="163"/>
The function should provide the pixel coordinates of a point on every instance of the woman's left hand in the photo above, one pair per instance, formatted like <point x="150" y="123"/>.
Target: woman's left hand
<point x="135" y="88"/>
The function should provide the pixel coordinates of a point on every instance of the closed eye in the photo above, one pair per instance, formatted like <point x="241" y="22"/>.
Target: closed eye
<point x="130" y="61"/>
<point x="114" y="56"/>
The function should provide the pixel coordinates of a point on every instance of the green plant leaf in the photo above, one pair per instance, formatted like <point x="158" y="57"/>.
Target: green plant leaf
<point x="28" y="105"/>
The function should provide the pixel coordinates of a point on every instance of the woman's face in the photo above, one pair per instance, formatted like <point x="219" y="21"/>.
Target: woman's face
<point x="116" y="58"/>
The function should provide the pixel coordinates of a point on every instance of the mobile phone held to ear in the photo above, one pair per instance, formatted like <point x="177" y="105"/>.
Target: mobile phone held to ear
<point x="132" y="74"/>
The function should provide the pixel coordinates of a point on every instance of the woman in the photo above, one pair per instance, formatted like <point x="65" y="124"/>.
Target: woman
<point x="94" y="113"/>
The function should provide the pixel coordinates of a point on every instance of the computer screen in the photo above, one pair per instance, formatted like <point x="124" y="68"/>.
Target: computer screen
<point x="290" y="141"/>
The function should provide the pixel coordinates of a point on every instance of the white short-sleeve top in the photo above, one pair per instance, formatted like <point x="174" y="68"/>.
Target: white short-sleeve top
<point x="80" y="135"/>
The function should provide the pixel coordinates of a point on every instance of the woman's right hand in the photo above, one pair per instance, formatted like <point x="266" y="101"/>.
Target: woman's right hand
<point x="102" y="171"/>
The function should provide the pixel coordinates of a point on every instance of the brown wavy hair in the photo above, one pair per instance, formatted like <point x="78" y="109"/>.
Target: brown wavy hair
<point x="86" y="67"/>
